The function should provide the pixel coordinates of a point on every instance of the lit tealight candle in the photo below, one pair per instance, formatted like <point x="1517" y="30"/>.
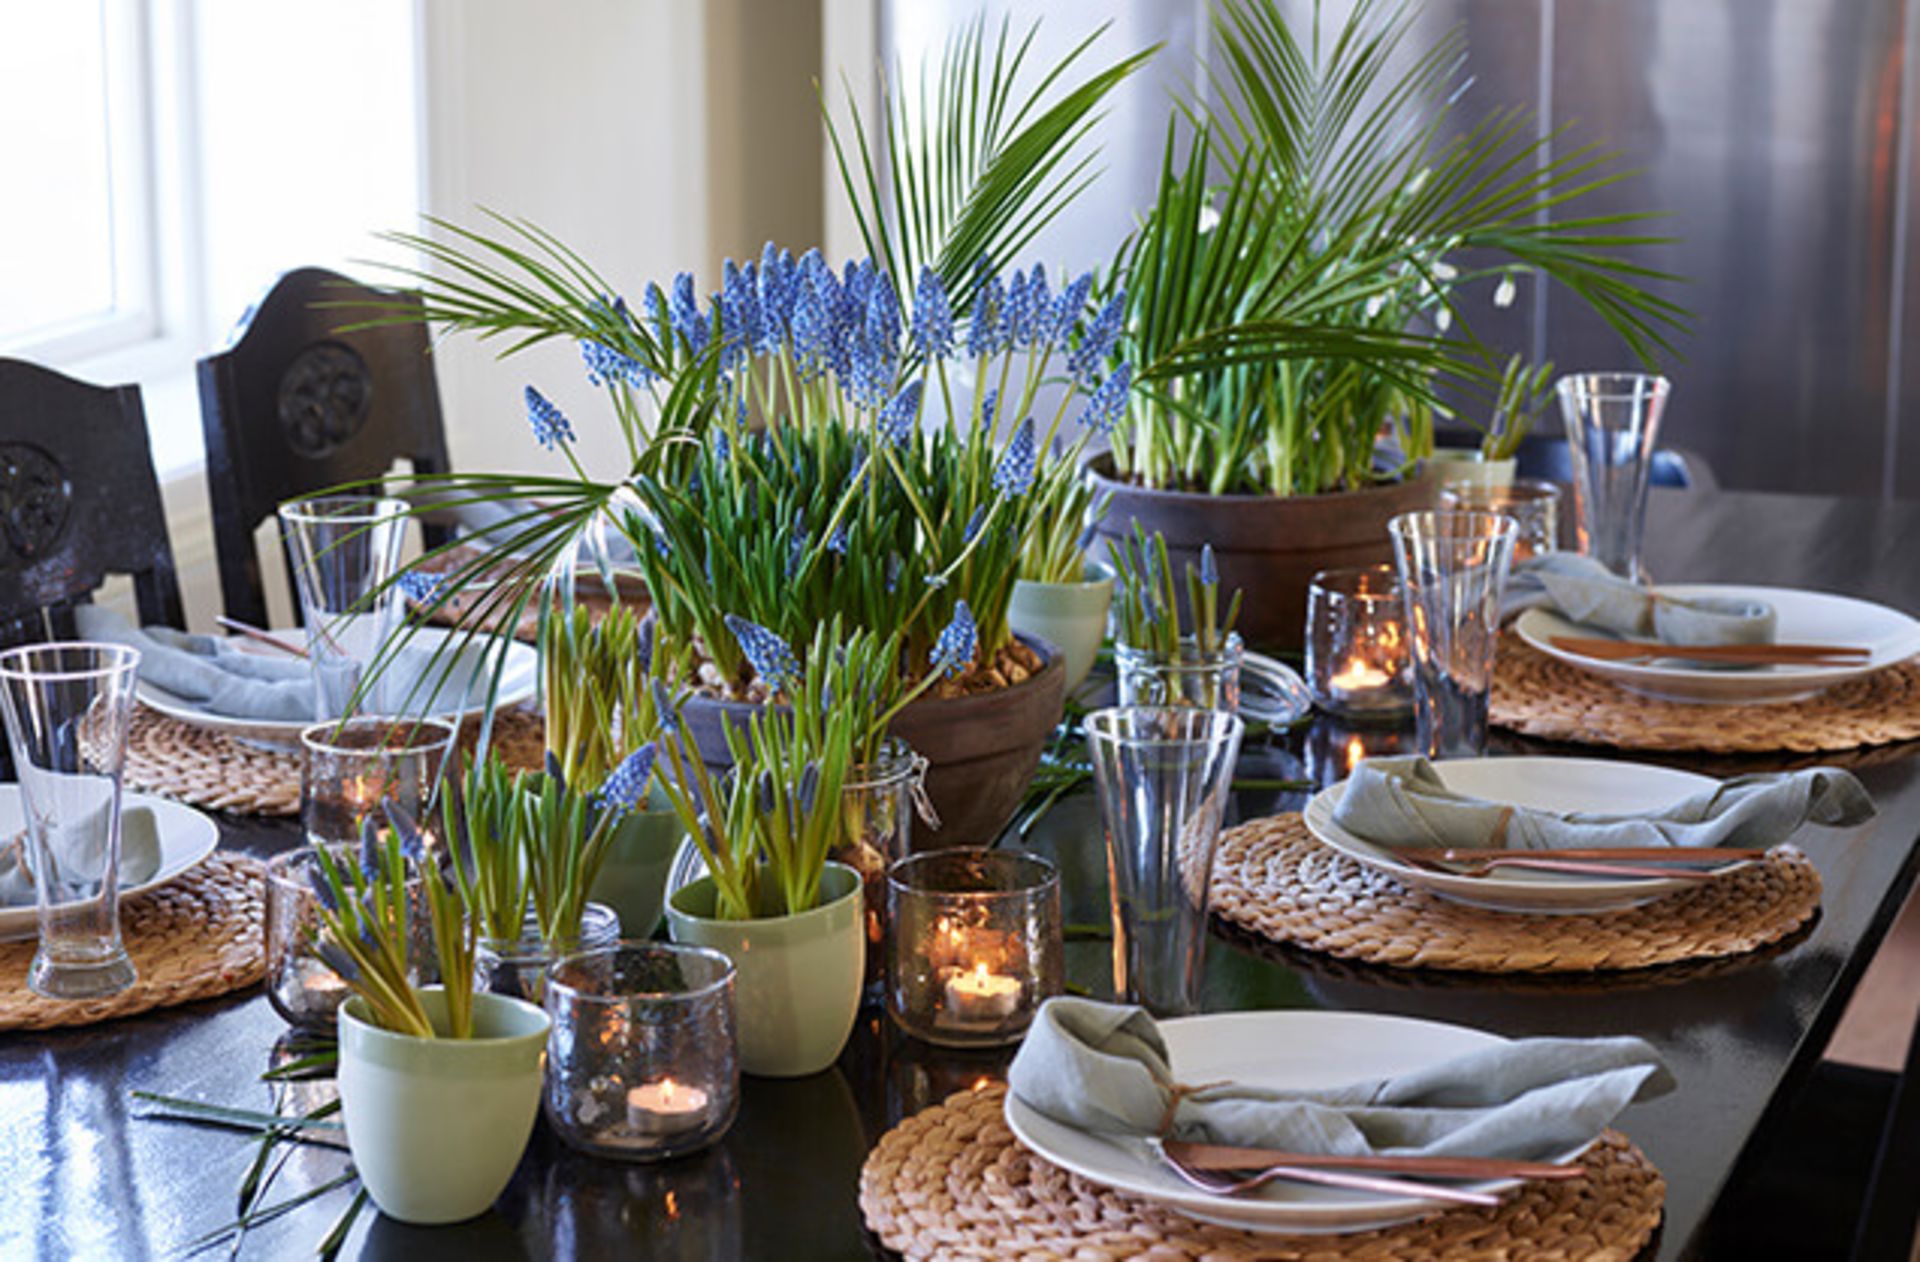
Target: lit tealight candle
<point x="666" y="1107"/>
<point x="1360" y="676"/>
<point x="982" y="996"/>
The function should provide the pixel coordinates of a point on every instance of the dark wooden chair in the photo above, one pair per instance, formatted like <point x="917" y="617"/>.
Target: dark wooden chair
<point x="297" y="404"/>
<point x="78" y="502"/>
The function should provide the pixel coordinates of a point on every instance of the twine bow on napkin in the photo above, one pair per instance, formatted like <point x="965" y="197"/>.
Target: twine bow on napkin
<point x="1103" y="1068"/>
<point x="1587" y="592"/>
<point x="1403" y="803"/>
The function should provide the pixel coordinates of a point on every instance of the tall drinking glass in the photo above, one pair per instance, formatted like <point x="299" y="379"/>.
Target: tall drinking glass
<point x="67" y="708"/>
<point x="345" y="551"/>
<point x="1453" y="568"/>
<point x="1612" y="420"/>
<point x="1163" y="775"/>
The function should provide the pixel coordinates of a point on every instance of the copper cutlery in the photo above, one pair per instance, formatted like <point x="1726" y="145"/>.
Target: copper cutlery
<point x="1544" y="861"/>
<point x="264" y="637"/>
<point x="1226" y="1157"/>
<point x="1728" y="654"/>
<point x="1234" y="1183"/>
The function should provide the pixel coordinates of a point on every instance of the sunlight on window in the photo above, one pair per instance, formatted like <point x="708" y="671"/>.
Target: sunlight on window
<point x="56" y="222"/>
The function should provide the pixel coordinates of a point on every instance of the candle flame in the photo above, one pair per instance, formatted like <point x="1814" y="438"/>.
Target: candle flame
<point x="667" y="1089"/>
<point x="673" y="1204"/>
<point x="1356" y="750"/>
<point x="980" y="972"/>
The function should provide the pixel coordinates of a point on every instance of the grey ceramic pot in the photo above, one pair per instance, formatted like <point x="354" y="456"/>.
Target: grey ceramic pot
<point x="1268" y="546"/>
<point x="981" y="751"/>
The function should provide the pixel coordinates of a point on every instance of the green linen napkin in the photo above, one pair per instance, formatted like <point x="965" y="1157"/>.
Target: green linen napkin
<point x="80" y="849"/>
<point x="218" y="678"/>
<point x="1402" y="802"/>
<point x="1587" y="592"/>
<point x="1104" y="1068"/>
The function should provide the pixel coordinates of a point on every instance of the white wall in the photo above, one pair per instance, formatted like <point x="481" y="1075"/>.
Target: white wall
<point x="586" y="118"/>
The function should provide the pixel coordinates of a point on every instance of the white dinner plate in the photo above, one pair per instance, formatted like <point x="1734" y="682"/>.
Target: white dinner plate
<point x="1285" y="1050"/>
<point x="1559" y="784"/>
<point x="186" y="837"/>
<point x="1803" y="618"/>
<point x="519" y="681"/>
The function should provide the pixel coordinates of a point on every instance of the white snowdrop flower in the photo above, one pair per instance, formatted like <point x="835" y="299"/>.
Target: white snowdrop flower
<point x="1446" y="271"/>
<point x="1209" y="218"/>
<point x="1418" y="182"/>
<point x="1374" y="304"/>
<point x="1443" y="319"/>
<point x="1505" y="292"/>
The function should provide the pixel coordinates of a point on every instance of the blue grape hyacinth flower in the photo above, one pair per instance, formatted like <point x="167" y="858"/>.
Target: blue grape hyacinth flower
<point x="1014" y="474"/>
<point x="550" y="424"/>
<point x="1209" y="570"/>
<point x="607" y="366"/>
<point x="417" y="587"/>
<point x="898" y="418"/>
<point x="626" y="784"/>
<point x="1097" y="343"/>
<point x="932" y="333"/>
<point x="986" y="327"/>
<point x="953" y="652"/>
<point x="1109" y="402"/>
<point x="772" y="660"/>
<point x="684" y="307"/>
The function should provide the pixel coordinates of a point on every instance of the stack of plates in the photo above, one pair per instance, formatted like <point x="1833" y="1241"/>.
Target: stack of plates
<point x="186" y="837"/>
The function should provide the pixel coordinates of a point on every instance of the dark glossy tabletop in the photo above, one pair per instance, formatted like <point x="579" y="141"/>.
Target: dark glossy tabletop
<point x="82" y="1175"/>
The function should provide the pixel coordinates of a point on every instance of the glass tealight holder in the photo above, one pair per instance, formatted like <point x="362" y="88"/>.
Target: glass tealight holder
<point x="1200" y="678"/>
<point x="644" y="1059"/>
<point x="1358" y="664"/>
<point x="975" y="944"/>
<point x="303" y="988"/>
<point x="1534" y="507"/>
<point x="353" y="769"/>
<point x="518" y="966"/>
<point x="876" y="811"/>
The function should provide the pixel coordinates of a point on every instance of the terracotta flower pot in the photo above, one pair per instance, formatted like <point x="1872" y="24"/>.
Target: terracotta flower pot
<point x="1268" y="546"/>
<point x="981" y="750"/>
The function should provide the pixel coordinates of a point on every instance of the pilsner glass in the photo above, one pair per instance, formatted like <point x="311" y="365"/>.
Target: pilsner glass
<point x="345" y="551"/>
<point x="1163" y="775"/>
<point x="68" y="707"/>
<point x="1612" y="420"/>
<point x="1453" y="568"/>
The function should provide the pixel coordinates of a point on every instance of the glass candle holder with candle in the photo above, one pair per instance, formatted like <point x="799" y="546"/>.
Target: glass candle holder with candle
<point x="302" y="987"/>
<point x="1534" y="507"/>
<point x="353" y="769"/>
<point x="644" y="1061"/>
<point x="1358" y="666"/>
<point x="975" y="945"/>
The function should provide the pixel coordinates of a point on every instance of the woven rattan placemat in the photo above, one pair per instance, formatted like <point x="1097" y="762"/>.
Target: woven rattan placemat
<point x="1538" y="696"/>
<point x="195" y="937"/>
<point x="476" y="607"/>
<point x="952" y="1182"/>
<point x="1272" y="879"/>
<point x="206" y="769"/>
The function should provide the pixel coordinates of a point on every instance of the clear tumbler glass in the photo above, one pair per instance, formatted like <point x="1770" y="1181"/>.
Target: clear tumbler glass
<point x="345" y="550"/>
<point x="1453" y="568"/>
<point x="68" y="707"/>
<point x="1163" y="776"/>
<point x="1612" y="421"/>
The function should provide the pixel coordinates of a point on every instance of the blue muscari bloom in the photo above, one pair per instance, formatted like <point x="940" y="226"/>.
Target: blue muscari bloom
<point x="1209" y="571"/>
<point x="369" y="847"/>
<point x="664" y="712"/>
<point x="1066" y="309"/>
<point x="989" y="409"/>
<point x="722" y="446"/>
<point x="322" y="887"/>
<point x="1109" y="402"/>
<point x="837" y="541"/>
<point x="808" y="789"/>
<point x="812" y="322"/>
<point x="550" y="425"/>
<point x="1014" y="474"/>
<point x="1097" y="342"/>
<point x="339" y="961"/>
<point x="1086" y="539"/>
<point x="606" y="366"/>
<point x="953" y="651"/>
<point x="1031" y="317"/>
<point x="685" y="308"/>
<point x="412" y="844"/>
<point x="894" y="566"/>
<point x="419" y="587"/>
<point x="767" y="653"/>
<point x="985" y="326"/>
<point x="1014" y="315"/>
<point x="973" y="525"/>
<point x="739" y="314"/>
<point x="775" y="282"/>
<point x="898" y="418"/>
<point x="932" y="317"/>
<point x="796" y="551"/>
<point x="643" y="646"/>
<point x="554" y="773"/>
<point x="763" y="792"/>
<point x="626" y="784"/>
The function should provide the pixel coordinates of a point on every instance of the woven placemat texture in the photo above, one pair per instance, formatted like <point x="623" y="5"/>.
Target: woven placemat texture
<point x="476" y="606"/>
<point x="953" y="1182"/>
<point x="215" y="772"/>
<point x="195" y="937"/>
<point x="1272" y="879"/>
<point x="1535" y="695"/>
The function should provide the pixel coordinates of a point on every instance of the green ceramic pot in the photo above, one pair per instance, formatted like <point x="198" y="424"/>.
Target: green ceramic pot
<point x="436" y="1126"/>
<point x="1465" y="466"/>
<point x="798" y="978"/>
<point x="1072" y="616"/>
<point x="633" y="880"/>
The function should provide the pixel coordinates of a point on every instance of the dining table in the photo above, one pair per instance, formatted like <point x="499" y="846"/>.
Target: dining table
<point x="86" y="1170"/>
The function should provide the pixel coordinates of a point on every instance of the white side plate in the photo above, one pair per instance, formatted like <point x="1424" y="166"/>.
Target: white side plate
<point x="1559" y="784"/>
<point x="1287" y="1050"/>
<point x="1804" y="618"/>
<point x="186" y="837"/>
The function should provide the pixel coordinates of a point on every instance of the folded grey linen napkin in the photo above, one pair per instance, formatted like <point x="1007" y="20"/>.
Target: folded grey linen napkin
<point x="1104" y="1068"/>
<point x="220" y="679"/>
<point x="1587" y="592"/>
<point x="139" y="855"/>
<point x="1402" y="802"/>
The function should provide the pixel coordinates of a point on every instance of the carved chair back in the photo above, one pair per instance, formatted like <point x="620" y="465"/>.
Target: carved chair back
<point x="301" y="401"/>
<point x="78" y="502"/>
